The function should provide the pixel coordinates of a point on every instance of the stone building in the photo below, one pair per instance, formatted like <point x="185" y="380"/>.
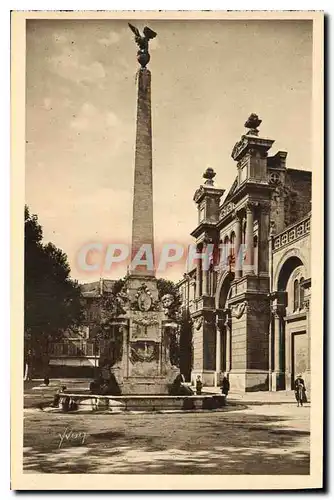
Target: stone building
<point x="79" y="354"/>
<point x="249" y="294"/>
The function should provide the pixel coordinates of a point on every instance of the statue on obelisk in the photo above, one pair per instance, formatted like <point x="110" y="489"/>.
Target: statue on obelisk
<point x="142" y="41"/>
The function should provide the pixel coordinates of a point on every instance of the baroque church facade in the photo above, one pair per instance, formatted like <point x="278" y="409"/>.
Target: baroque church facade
<point x="249" y="297"/>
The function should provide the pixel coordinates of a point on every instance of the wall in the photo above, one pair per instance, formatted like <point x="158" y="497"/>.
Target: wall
<point x="209" y="348"/>
<point x="300" y="248"/>
<point x="298" y="204"/>
<point x="239" y="336"/>
<point x="72" y="367"/>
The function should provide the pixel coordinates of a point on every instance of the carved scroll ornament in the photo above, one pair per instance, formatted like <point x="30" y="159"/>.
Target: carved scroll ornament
<point x="238" y="310"/>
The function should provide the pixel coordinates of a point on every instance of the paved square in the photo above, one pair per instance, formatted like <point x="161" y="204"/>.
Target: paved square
<point x="270" y="438"/>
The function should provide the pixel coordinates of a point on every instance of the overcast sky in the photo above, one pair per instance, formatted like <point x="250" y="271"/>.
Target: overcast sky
<point x="207" y="77"/>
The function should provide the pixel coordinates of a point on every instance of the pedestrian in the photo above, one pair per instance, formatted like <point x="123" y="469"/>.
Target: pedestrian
<point x="179" y="387"/>
<point x="199" y="385"/>
<point x="96" y="385"/>
<point x="225" y="385"/>
<point x="300" y="390"/>
<point x="56" y="398"/>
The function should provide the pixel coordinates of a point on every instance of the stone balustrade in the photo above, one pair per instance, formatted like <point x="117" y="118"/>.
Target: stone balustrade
<point x="226" y="209"/>
<point x="292" y="233"/>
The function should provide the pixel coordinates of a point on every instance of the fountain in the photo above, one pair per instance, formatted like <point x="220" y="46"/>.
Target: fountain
<point x="143" y="372"/>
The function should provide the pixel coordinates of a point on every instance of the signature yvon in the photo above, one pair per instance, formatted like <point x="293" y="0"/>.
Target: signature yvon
<point x="70" y="435"/>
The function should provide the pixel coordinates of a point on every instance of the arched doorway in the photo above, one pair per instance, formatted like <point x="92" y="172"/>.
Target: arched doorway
<point x="291" y="346"/>
<point x="224" y="333"/>
<point x="285" y="272"/>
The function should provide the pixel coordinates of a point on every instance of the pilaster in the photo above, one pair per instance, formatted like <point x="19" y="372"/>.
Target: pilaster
<point x="279" y="352"/>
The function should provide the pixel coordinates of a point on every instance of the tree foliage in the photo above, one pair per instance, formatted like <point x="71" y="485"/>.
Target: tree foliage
<point x="168" y="287"/>
<point x="52" y="299"/>
<point x="186" y="344"/>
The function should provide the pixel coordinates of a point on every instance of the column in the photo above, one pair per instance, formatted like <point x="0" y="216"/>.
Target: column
<point x="198" y="275"/>
<point x="238" y="258"/>
<point x="218" y="354"/>
<point x="205" y="271"/>
<point x="278" y="352"/>
<point x="308" y="323"/>
<point x="277" y="356"/>
<point x="250" y="238"/>
<point x="270" y="357"/>
<point x="308" y="316"/>
<point x="228" y="342"/>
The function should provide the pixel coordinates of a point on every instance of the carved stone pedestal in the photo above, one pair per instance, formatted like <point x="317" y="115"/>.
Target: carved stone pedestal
<point x="146" y="365"/>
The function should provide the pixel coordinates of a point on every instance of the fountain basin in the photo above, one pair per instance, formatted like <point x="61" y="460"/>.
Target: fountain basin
<point x="77" y="403"/>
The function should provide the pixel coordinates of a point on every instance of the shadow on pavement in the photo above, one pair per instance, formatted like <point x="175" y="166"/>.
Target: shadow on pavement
<point x="230" y="443"/>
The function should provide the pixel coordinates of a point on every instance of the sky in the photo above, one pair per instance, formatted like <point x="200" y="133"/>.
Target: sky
<point x="207" y="77"/>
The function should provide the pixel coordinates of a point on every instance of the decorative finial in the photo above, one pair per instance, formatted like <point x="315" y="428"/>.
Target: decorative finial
<point x="252" y="123"/>
<point x="142" y="41"/>
<point x="209" y="175"/>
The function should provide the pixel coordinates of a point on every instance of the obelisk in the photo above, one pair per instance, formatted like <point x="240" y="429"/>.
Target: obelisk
<point x="145" y="365"/>
<point x="142" y="218"/>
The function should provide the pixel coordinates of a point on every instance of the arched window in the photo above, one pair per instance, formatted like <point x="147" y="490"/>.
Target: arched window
<point x="301" y="293"/>
<point x="223" y="259"/>
<point x="295" y="295"/>
<point x="218" y="253"/>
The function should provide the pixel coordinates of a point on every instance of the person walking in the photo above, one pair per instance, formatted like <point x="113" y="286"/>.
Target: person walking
<point x="225" y="385"/>
<point x="300" y="390"/>
<point x="199" y="385"/>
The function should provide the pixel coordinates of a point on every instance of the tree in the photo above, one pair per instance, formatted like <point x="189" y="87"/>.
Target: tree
<point x="109" y="308"/>
<point x="166" y="287"/>
<point x="52" y="299"/>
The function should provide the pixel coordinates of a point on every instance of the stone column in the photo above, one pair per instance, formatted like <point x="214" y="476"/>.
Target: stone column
<point x="218" y="353"/>
<point x="270" y="357"/>
<point x="277" y="381"/>
<point x="205" y="271"/>
<point x="308" y="333"/>
<point x="263" y="246"/>
<point x="198" y="275"/>
<point x="308" y="323"/>
<point x="142" y="219"/>
<point x="238" y="260"/>
<point x="228" y="342"/>
<point x="250" y="238"/>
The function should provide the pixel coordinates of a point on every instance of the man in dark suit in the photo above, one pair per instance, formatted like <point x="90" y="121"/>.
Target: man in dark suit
<point x="300" y="390"/>
<point x="225" y="386"/>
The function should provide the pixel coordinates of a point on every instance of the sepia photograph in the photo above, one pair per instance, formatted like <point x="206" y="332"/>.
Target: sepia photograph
<point x="167" y="177"/>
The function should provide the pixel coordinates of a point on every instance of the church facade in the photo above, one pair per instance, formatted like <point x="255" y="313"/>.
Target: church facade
<point x="248" y="296"/>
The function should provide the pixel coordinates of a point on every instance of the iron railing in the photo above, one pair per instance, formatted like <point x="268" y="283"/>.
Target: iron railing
<point x="74" y="348"/>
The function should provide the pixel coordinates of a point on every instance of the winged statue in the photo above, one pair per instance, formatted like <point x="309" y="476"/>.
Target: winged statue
<point x="142" y="41"/>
